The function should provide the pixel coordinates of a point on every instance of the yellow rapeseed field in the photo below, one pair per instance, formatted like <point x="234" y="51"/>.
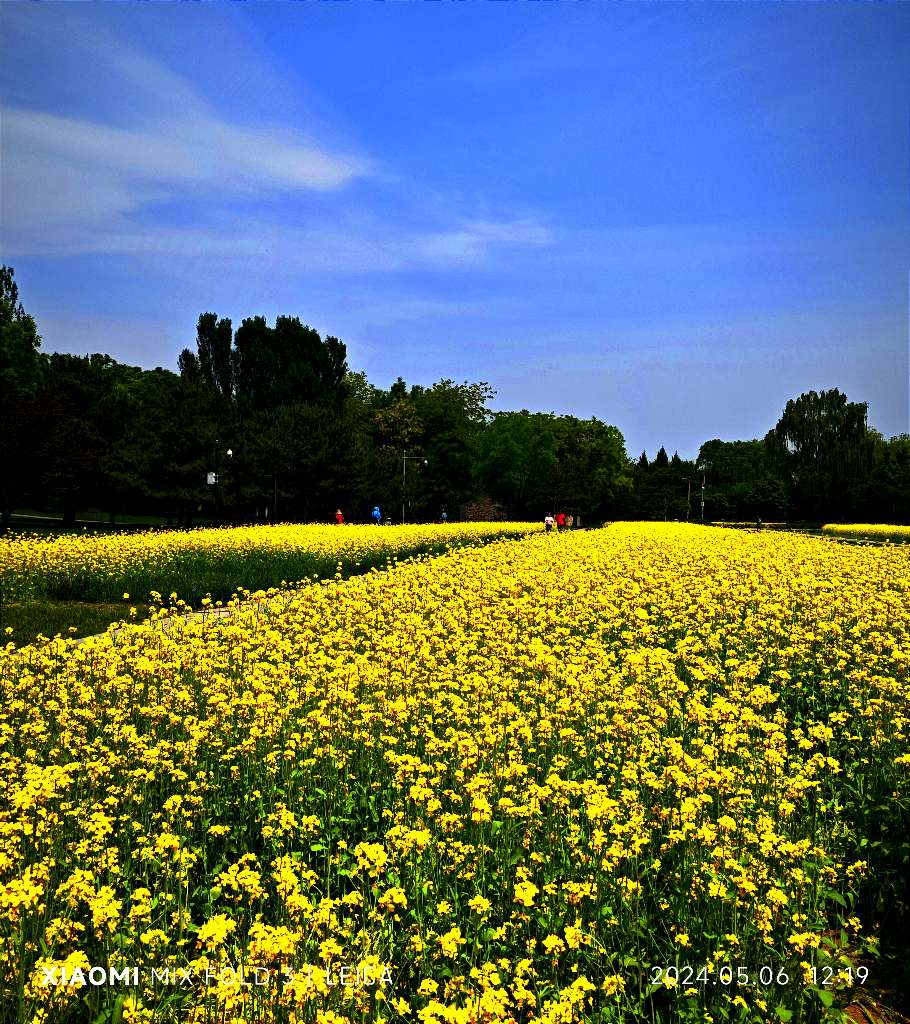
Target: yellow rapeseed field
<point x="193" y="563"/>
<point x="878" y="531"/>
<point x="621" y="775"/>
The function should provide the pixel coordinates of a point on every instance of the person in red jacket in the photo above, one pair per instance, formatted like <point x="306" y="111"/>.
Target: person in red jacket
<point x="561" y="521"/>
<point x="339" y="517"/>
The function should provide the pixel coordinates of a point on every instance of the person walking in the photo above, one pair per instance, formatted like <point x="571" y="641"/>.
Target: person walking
<point x="339" y="517"/>
<point x="377" y="516"/>
<point x="561" y="520"/>
<point x="570" y="520"/>
<point x="548" y="523"/>
<point x="444" y="516"/>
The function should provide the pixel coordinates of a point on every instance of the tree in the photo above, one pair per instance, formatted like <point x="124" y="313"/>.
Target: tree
<point x="161" y="469"/>
<point x="661" y="489"/>
<point x="884" y="496"/>
<point x="518" y="458"/>
<point x="741" y="481"/>
<point x="453" y="417"/>
<point x="71" y="429"/>
<point x="280" y="394"/>
<point x="532" y="463"/>
<point x="254" y="365"/>
<point x="593" y="476"/>
<point x="20" y="384"/>
<point x="213" y="345"/>
<point x="823" y="447"/>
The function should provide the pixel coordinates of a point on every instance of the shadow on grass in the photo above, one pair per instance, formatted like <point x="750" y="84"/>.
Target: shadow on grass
<point x="45" y="617"/>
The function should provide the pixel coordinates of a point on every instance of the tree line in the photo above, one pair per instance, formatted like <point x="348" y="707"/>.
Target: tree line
<point x="267" y="422"/>
<point x="820" y="462"/>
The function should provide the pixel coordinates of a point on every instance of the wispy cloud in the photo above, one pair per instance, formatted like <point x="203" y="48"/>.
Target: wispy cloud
<point x="71" y="183"/>
<point x="204" y="150"/>
<point x="290" y="249"/>
<point x="155" y="172"/>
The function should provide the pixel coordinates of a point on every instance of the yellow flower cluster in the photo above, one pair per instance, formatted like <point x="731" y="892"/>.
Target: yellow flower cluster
<point x="875" y="531"/>
<point x="502" y="784"/>
<point x="193" y="563"/>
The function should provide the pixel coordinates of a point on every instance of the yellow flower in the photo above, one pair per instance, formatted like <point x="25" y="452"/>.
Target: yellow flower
<point x="525" y="892"/>
<point x="393" y="899"/>
<point x="451" y="941"/>
<point x="479" y="904"/>
<point x="214" y="932"/>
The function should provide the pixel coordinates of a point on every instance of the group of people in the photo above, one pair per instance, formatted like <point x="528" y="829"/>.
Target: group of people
<point x="376" y="517"/>
<point x="560" y="521"/>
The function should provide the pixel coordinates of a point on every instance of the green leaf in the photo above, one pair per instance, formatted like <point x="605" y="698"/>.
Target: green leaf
<point x="783" y="1013"/>
<point x="825" y="997"/>
<point x="117" y="1015"/>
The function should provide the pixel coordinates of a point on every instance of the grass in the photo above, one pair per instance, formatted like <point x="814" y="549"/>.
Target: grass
<point x="44" y="617"/>
<point x="90" y="517"/>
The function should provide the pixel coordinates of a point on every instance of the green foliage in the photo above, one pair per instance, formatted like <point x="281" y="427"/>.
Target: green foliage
<point x="663" y="488"/>
<point x="740" y="482"/>
<point x="307" y="435"/>
<point x="20" y="385"/>
<point x="822" y="448"/>
<point x="534" y="463"/>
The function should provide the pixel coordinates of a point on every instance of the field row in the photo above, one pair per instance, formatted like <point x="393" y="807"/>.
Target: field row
<point x="196" y="563"/>
<point x="515" y="780"/>
<point x="875" y="531"/>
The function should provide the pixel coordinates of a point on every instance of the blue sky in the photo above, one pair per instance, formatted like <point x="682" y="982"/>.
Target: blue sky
<point x="672" y="217"/>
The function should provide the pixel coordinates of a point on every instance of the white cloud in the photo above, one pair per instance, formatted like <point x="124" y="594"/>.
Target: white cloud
<point x="471" y="242"/>
<point x="132" y="160"/>
<point x="73" y="185"/>
<point x="68" y="171"/>
<point x="356" y="250"/>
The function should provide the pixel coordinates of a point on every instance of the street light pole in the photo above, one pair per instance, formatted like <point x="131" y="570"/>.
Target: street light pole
<point x="213" y="477"/>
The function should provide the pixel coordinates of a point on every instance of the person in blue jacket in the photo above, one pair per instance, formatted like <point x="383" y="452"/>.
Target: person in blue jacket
<point x="377" y="515"/>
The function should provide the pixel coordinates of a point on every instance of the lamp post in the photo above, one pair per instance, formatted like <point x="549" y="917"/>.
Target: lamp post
<point x="213" y="477"/>
<point x="703" y="469"/>
<point x="230" y="454"/>
<point x="405" y="459"/>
